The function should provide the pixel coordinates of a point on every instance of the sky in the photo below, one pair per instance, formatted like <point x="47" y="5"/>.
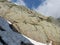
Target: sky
<point x="29" y="3"/>
<point x="33" y="3"/>
<point x="45" y="7"/>
<point x="50" y="8"/>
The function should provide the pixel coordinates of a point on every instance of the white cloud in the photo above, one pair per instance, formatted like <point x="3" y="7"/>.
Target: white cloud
<point x="20" y="2"/>
<point x="9" y="0"/>
<point x="50" y="8"/>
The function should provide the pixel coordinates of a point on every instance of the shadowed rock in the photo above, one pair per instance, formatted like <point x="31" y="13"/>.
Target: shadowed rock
<point x="9" y="37"/>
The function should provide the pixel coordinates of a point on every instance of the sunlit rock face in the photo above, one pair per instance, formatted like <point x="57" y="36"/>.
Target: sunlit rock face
<point x="30" y="23"/>
<point x="2" y="0"/>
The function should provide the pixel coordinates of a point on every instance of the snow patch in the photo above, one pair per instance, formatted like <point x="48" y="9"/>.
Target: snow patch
<point x="35" y="42"/>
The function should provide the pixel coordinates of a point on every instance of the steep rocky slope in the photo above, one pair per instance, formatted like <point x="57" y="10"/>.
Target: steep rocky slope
<point x="30" y="23"/>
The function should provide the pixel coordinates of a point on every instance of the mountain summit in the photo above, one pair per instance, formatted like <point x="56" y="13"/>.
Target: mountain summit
<point x="30" y="23"/>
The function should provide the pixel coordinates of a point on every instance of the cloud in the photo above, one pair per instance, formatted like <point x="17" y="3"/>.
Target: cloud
<point x="50" y="8"/>
<point x="20" y="2"/>
<point x="9" y="0"/>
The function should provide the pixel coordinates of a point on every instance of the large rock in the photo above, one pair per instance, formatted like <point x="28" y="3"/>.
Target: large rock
<point x="9" y="37"/>
<point x="30" y="23"/>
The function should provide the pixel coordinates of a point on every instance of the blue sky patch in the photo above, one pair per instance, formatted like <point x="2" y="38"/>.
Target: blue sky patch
<point x="33" y="3"/>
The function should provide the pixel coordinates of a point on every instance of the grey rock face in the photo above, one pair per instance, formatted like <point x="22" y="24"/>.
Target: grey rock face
<point x="9" y="37"/>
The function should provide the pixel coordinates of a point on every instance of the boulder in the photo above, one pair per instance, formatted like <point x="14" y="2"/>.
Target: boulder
<point x="10" y="37"/>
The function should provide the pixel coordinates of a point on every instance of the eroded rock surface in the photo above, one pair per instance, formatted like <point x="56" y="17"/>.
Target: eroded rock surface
<point x="30" y="23"/>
